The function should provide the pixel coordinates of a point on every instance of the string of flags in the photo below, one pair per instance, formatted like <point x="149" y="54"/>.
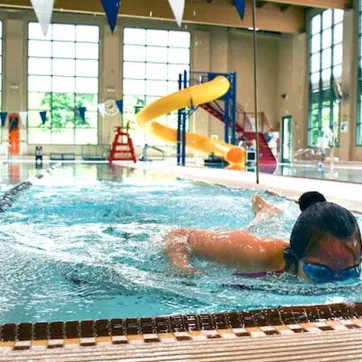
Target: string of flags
<point x="44" y="10"/>
<point x="80" y="110"/>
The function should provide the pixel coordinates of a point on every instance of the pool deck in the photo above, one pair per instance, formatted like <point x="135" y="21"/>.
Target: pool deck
<point x="346" y="194"/>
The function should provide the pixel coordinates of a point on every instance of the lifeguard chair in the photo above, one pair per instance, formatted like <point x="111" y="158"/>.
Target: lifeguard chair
<point x="122" y="146"/>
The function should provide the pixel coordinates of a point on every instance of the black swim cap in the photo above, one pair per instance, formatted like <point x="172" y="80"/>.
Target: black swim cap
<point x="310" y="198"/>
<point x="318" y="219"/>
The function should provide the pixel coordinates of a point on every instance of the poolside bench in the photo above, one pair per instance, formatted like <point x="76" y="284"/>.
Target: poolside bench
<point x="62" y="156"/>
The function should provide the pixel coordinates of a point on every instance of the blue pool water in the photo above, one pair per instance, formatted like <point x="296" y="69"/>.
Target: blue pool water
<point x="86" y="242"/>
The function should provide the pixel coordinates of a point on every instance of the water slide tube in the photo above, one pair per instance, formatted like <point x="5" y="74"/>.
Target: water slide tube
<point x="195" y="95"/>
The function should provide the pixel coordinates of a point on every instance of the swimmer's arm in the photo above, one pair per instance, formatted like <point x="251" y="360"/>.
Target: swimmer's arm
<point x="176" y="250"/>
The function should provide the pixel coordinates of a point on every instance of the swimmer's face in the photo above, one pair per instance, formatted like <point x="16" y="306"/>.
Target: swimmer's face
<point x="341" y="257"/>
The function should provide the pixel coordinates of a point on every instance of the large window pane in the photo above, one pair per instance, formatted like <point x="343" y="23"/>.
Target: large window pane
<point x="63" y="70"/>
<point x="152" y="61"/>
<point x="325" y="67"/>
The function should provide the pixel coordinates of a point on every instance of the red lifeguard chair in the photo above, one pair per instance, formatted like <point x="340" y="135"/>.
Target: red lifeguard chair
<point x="122" y="146"/>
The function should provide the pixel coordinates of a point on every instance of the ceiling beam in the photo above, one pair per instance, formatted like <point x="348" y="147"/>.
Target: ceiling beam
<point x="324" y="4"/>
<point x="260" y="4"/>
<point x="284" y="7"/>
<point x="219" y="12"/>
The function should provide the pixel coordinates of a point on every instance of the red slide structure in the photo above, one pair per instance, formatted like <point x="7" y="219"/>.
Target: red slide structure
<point x="244" y="127"/>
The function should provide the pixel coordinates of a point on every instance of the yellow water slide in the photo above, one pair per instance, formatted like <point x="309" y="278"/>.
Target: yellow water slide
<point x="195" y="95"/>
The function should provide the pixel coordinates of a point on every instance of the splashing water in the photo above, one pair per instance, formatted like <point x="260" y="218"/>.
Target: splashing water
<point x="86" y="243"/>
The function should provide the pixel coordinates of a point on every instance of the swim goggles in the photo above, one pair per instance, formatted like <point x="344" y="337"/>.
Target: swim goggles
<point x="322" y="274"/>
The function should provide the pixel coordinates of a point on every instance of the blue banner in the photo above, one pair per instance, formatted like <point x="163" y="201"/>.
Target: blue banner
<point x="43" y="116"/>
<point x="240" y="6"/>
<point x="120" y="105"/>
<point x="82" y="111"/>
<point x="3" y="116"/>
<point x="111" y="8"/>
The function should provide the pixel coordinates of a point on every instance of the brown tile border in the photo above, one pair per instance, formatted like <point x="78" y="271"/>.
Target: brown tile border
<point x="255" y="323"/>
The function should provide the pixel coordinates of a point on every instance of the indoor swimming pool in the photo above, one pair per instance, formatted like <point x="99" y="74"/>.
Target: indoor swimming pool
<point x="86" y="242"/>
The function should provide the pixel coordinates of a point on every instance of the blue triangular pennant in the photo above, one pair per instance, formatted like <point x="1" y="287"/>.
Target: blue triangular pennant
<point x="111" y="8"/>
<point x="240" y="6"/>
<point x="3" y="116"/>
<point x="82" y="111"/>
<point x="120" y="105"/>
<point x="43" y="116"/>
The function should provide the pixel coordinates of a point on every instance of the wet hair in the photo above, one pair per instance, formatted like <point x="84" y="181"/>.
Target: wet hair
<point x="318" y="220"/>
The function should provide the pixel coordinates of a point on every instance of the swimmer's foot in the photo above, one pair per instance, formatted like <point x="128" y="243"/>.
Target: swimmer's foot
<point x="261" y="206"/>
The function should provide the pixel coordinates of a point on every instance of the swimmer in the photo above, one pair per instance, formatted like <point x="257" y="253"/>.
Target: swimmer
<point x="325" y="244"/>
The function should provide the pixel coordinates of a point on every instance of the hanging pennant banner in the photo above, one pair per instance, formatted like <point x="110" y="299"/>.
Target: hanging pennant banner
<point x="178" y="8"/>
<point x="23" y="116"/>
<point x="43" y="116"/>
<point x="240" y="7"/>
<point x="82" y="111"/>
<point x="3" y="116"/>
<point x="43" y="11"/>
<point x="102" y="109"/>
<point x="120" y="105"/>
<point x="111" y="8"/>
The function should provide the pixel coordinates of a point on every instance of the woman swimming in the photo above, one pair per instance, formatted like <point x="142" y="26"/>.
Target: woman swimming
<point x="325" y="244"/>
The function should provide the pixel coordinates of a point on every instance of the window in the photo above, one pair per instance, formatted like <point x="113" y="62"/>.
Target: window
<point x="152" y="61"/>
<point x="63" y="71"/>
<point x="325" y="68"/>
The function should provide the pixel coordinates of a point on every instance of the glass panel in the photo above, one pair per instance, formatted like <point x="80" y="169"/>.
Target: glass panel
<point x="157" y="54"/>
<point x="87" y="33"/>
<point x="132" y="52"/>
<point x="327" y="18"/>
<point x="134" y="70"/>
<point x="157" y="37"/>
<point x="39" y="84"/>
<point x="90" y="101"/>
<point x="63" y="50"/>
<point x="87" y="68"/>
<point x="327" y="38"/>
<point x="179" y="39"/>
<point x="63" y="136"/>
<point x="87" y="51"/>
<point x="156" y="71"/>
<point x="326" y="75"/>
<point x="134" y="87"/>
<point x="64" y="32"/>
<point x="179" y="56"/>
<point x="337" y="72"/>
<point x="39" y="136"/>
<point x="64" y="67"/>
<point x="38" y="48"/>
<point x="338" y="15"/>
<point x="315" y="62"/>
<point x="63" y="84"/>
<point x="338" y="34"/>
<point x="326" y="58"/>
<point x="156" y="88"/>
<point x="315" y="78"/>
<point x="38" y="101"/>
<point x="134" y="36"/>
<point x="316" y="43"/>
<point x="87" y="136"/>
<point x="87" y="85"/>
<point x="337" y="54"/>
<point x="39" y="66"/>
<point x="172" y="87"/>
<point x="35" y="32"/>
<point x="316" y="24"/>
